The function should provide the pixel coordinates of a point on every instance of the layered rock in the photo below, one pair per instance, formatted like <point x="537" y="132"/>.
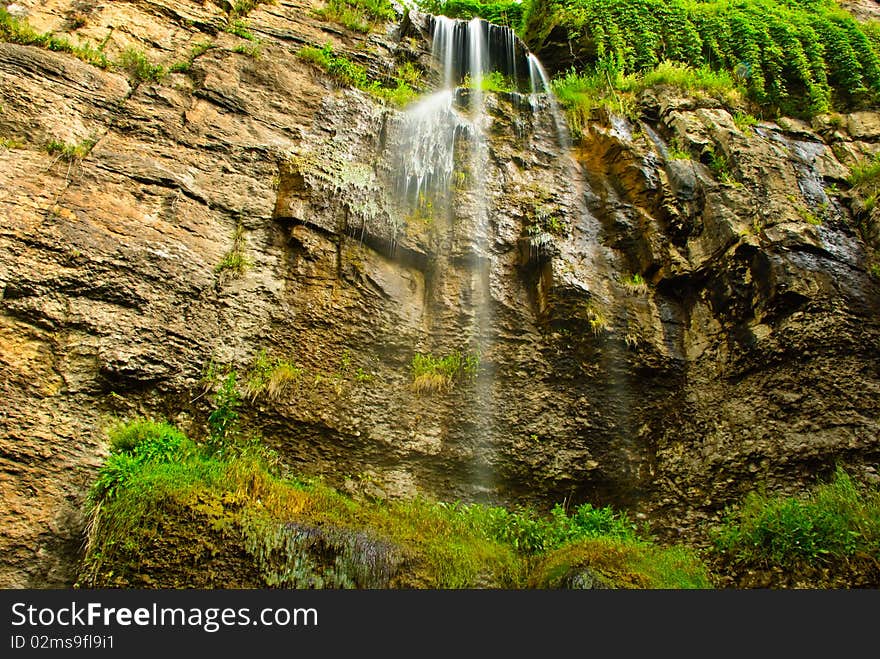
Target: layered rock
<point x="745" y="352"/>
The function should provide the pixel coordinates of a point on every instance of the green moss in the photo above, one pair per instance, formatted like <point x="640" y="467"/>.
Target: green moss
<point x="620" y="563"/>
<point x="168" y="512"/>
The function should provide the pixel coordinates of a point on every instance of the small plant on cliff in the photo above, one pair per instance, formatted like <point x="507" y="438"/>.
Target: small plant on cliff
<point x="131" y="445"/>
<point x="636" y="284"/>
<point x="234" y="262"/>
<point x="837" y="521"/>
<point x="139" y="67"/>
<point x="223" y="420"/>
<point x="271" y="377"/>
<point x="437" y="374"/>
<point x="70" y="152"/>
<point x="341" y="68"/>
<point x="357" y="15"/>
<point x="18" y="31"/>
<point x="744" y="122"/>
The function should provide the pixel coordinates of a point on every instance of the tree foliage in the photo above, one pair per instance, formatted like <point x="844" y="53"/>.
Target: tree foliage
<point x="799" y="56"/>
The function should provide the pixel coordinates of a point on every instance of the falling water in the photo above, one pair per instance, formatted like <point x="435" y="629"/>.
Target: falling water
<point x="540" y="84"/>
<point x="430" y="135"/>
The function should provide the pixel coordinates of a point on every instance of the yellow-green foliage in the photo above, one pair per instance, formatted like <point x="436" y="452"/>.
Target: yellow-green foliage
<point x="397" y="91"/>
<point x="358" y="15"/>
<point x="18" y="31"/>
<point x="606" y="87"/>
<point x="795" y="57"/>
<point x="838" y="520"/>
<point x="154" y="472"/>
<point x="234" y="261"/>
<point x="621" y="563"/>
<point x="437" y="374"/>
<point x="272" y="377"/>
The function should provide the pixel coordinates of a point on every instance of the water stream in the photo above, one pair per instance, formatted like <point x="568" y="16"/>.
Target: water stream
<point x="442" y="165"/>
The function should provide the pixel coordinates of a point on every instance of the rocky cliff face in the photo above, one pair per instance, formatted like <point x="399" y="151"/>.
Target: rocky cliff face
<point x="746" y="350"/>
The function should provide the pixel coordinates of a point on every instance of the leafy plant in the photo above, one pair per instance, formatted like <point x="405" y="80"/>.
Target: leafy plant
<point x="70" y="152"/>
<point x="223" y="420"/>
<point x="18" y="31"/>
<point x="835" y="521"/>
<point x="795" y="57"/>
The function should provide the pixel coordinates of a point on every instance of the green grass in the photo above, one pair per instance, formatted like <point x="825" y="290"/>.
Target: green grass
<point x="69" y="152"/>
<point x="139" y="67"/>
<point x="358" y="15"/>
<point x="18" y="31"/>
<point x="251" y="50"/>
<point x="582" y="92"/>
<point x="494" y="81"/>
<point x="838" y="520"/>
<point x="398" y="91"/>
<point x="155" y="476"/>
<point x="432" y="374"/>
<point x="270" y="377"/>
<point x="620" y="563"/>
<point x="234" y="261"/>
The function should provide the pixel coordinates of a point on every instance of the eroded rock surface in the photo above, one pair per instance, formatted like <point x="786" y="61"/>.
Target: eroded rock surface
<point x="745" y="351"/>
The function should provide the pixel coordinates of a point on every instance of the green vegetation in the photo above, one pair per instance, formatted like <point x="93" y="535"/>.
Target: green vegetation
<point x="240" y="28"/>
<point x="234" y="261"/>
<point x="199" y="49"/>
<point x="400" y="92"/>
<point x="607" y="87"/>
<point x="503" y="12"/>
<point x="719" y="163"/>
<point x="15" y="30"/>
<point x="437" y="374"/>
<point x="272" y="377"/>
<point x="744" y="122"/>
<point x="837" y="521"/>
<point x="251" y="50"/>
<point x="158" y="485"/>
<point x="799" y="57"/>
<point x="623" y="563"/>
<point x="70" y="152"/>
<point x="494" y="81"/>
<point x="358" y="15"/>
<point x="139" y="67"/>
<point x="636" y="284"/>
<point x="679" y="152"/>
<point x="808" y="216"/>
<point x="10" y="143"/>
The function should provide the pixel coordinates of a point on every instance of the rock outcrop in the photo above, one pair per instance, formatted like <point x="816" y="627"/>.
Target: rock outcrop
<point x="744" y="351"/>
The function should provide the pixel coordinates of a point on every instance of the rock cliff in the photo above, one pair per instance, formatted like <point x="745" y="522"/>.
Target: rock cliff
<point x="659" y="330"/>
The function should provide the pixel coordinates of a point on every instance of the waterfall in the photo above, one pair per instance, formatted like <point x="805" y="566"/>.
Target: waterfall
<point x="465" y="52"/>
<point x="442" y="168"/>
<point x="540" y="84"/>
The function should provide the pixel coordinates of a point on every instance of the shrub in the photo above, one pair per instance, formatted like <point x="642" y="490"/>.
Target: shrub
<point x="835" y="521"/>
<point x="795" y="57"/>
